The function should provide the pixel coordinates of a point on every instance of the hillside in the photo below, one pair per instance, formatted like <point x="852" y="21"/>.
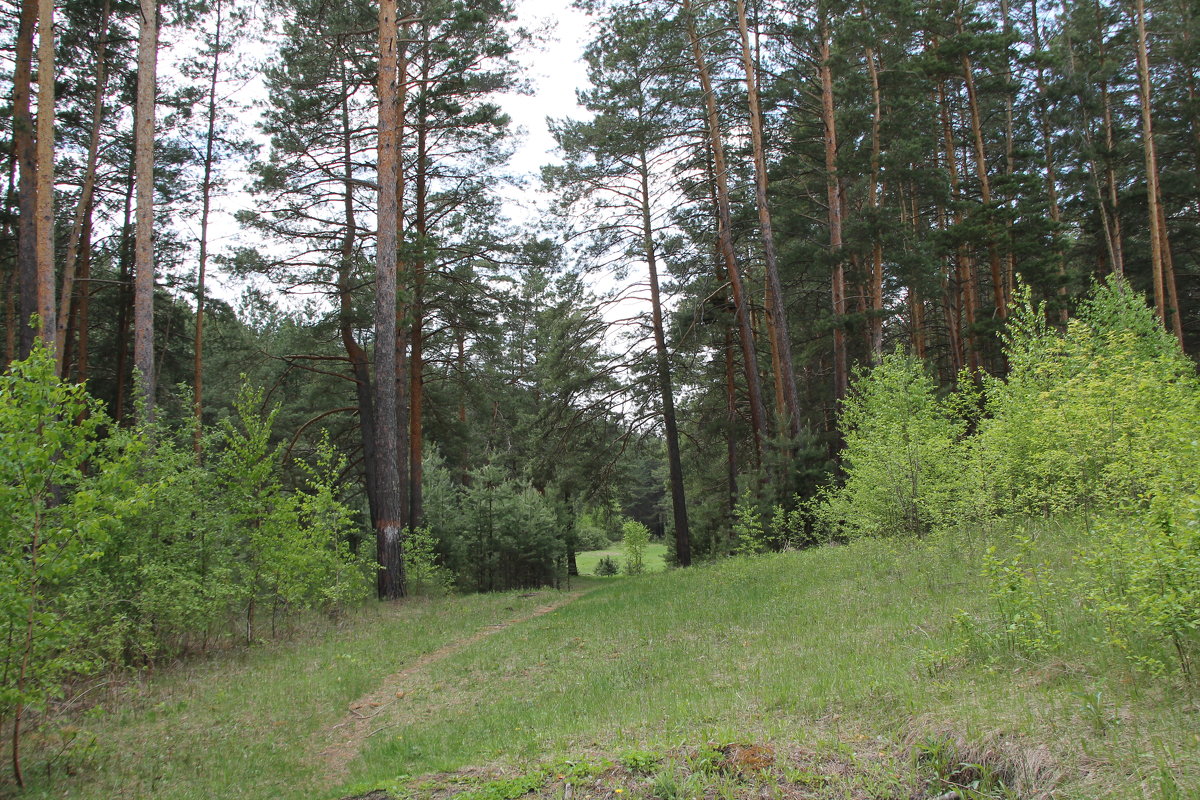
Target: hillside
<point x="835" y="672"/>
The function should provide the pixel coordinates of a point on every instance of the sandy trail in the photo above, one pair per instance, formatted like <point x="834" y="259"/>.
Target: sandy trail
<point x="343" y="740"/>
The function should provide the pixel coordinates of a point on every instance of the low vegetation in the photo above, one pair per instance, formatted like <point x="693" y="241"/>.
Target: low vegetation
<point x="853" y="664"/>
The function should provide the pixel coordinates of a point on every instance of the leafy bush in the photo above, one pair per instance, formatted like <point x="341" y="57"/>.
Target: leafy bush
<point x="426" y="576"/>
<point x="50" y="525"/>
<point x="590" y="537"/>
<point x="1092" y="419"/>
<point x="906" y="472"/>
<point x="1142" y="578"/>
<point x="637" y="537"/>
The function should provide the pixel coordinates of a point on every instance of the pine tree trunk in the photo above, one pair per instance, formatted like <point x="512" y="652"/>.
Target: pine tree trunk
<point x="777" y="323"/>
<point x="11" y="284"/>
<point x="26" y="153"/>
<point x="725" y="236"/>
<point x="360" y="364"/>
<point x="83" y="304"/>
<point x="206" y="187"/>
<point x="874" y="191"/>
<point x="125" y="292"/>
<point x="1157" y="239"/>
<point x="683" y="536"/>
<point x="985" y="186"/>
<point x="1039" y="78"/>
<point x="966" y="296"/>
<point x="143" y="300"/>
<point x="47" y="307"/>
<point x="83" y="208"/>
<point x="389" y="545"/>
<point x="416" y="398"/>
<point x="841" y="367"/>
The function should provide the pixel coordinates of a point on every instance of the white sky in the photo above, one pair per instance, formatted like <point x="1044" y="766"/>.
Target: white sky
<point x="556" y="70"/>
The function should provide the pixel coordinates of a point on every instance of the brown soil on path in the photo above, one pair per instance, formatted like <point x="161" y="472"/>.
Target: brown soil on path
<point x="341" y="742"/>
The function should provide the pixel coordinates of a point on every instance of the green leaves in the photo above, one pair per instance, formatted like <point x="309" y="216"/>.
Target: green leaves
<point x="906" y="470"/>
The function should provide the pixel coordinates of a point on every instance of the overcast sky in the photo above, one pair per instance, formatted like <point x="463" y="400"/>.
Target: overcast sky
<point x="556" y="72"/>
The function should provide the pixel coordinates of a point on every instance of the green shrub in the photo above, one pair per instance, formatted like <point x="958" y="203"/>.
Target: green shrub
<point x="1093" y="419"/>
<point x="426" y="576"/>
<point x="1142" y="578"/>
<point x="51" y="526"/>
<point x="590" y="537"/>
<point x="906" y="471"/>
<point x="637" y="537"/>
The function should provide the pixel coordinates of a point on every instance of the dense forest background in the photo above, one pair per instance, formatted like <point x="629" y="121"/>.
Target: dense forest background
<point x="765" y="200"/>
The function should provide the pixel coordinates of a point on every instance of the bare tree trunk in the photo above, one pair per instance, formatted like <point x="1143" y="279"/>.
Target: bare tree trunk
<point x="683" y="536"/>
<point x="966" y="293"/>
<point x="125" y="293"/>
<point x="389" y="545"/>
<point x="731" y="461"/>
<point x="26" y="152"/>
<point x="1010" y="261"/>
<point x="45" y="174"/>
<point x="841" y="367"/>
<point x="874" y="191"/>
<point x="359" y="362"/>
<point x="725" y="236"/>
<point x="985" y="186"/>
<point x="83" y="209"/>
<point x="206" y="187"/>
<point x="1157" y="239"/>
<point x="83" y="304"/>
<point x="11" y="284"/>
<point x="143" y="293"/>
<point x="1048" y="154"/>
<point x="777" y="324"/>
<point x="416" y="396"/>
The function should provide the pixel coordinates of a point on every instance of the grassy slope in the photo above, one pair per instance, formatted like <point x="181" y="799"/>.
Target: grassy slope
<point x="655" y="558"/>
<point x="826" y="649"/>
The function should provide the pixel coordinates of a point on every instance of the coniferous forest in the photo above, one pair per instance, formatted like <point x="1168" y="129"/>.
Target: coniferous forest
<point x="802" y="274"/>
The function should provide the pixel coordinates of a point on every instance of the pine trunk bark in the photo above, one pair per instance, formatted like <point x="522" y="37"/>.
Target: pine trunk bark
<point x="143" y="301"/>
<point x="47" y="307"/>
<point x="874" y="192"/>
<point x="966" y="296"/>
<point x="841" y="367"/>
<point x="416" y="397"/>
<point x="1039" y="80"/>
<point x="206" y="187"/>
<point x="985" y="186"/>
<point x="83" y="208"/>
<point x="26" y="153"/>
<point x="683" y="536"/>
<point x="777" y="323"/>
<point x="125" y="292"/>
<point x="389" y="543"/>
<point x="725" y="236"/>
<point x="360" y="364"/>
<point x="1157" y="235"/>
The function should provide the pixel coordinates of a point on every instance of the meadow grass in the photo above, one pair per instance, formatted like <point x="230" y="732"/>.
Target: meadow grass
<point x="857" y="650"/>
<point x="655" y="558"/>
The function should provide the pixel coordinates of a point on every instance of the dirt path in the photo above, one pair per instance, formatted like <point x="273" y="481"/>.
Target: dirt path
<point x="343" y="740"/>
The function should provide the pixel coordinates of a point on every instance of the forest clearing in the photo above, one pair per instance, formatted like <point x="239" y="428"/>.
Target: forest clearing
<point x="843" y="665"/>
<point x="715" y="399"/>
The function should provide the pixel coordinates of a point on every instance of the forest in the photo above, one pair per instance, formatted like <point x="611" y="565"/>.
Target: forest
<point x="805" y="273"/>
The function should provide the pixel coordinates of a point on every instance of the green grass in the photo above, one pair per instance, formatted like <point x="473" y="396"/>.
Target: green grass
<point x="851" y="651"/>
<point x="655" y="558"/>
